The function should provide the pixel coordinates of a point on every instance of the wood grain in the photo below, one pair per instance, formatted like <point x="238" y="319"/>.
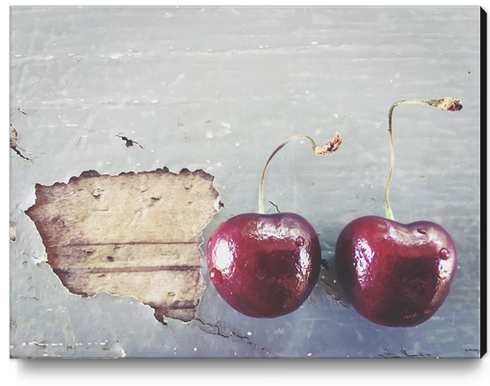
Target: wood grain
<point x="134" y="234"/>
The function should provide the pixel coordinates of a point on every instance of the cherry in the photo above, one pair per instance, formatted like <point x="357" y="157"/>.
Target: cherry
<point x="396" y="274"/>
<point x="266" y="265"/>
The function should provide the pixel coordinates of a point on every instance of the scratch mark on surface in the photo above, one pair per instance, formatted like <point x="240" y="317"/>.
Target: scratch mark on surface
<point x="39" y="344"/>
<point x="403" y="354"/>
<point x="216" y="329"/>
<point x="332" y="287"/>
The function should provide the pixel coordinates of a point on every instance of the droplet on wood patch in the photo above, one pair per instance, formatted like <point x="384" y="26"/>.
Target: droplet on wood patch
<point x="109" y="233"/>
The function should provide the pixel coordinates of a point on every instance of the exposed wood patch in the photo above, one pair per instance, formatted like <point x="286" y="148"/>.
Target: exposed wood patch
<point x="135" y="234"/>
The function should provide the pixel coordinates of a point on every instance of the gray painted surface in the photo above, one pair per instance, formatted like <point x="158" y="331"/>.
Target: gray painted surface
<point x="218" y="89"/>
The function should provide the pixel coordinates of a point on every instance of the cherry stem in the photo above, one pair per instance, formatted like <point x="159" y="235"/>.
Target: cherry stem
<point x="330" y="147"/>
<point x="445" y="104"/>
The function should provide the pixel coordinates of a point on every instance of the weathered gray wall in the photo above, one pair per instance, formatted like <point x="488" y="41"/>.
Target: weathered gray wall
<point x="218" y="89"/>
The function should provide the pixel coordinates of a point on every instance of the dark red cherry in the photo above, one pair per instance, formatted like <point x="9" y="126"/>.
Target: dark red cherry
<point x="394" y="274"/>
<point x="264" y="265"/>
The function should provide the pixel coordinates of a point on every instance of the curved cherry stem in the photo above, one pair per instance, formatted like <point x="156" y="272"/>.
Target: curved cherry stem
<point x="330" y="147"/>
<point x="445" y="104"/>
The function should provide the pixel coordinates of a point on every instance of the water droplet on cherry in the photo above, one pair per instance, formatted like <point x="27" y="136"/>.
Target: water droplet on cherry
<point x="444" y="254"/>
<point x="300" y="241"/>
<point x="216" y="276"/>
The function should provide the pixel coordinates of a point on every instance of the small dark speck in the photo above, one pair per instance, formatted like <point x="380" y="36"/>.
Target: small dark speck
<point x="110" y="258"/>
<point x="469" y="72"/>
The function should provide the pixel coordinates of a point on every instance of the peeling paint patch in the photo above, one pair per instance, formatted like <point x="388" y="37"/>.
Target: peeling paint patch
<point x="13" y="236"/>
<point x="14" y="145"/>
<point x="134" y="234"/>
<point x="129" y="142"/>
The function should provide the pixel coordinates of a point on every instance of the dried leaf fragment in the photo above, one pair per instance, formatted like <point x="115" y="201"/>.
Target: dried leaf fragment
<point x="134" y="234"/>
<point x="330" y="147"/>
<point x="450" y="104"/>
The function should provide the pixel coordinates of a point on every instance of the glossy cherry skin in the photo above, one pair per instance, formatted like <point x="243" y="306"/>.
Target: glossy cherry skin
<point x="394" y="274"/>
<point x="264" y="265"/>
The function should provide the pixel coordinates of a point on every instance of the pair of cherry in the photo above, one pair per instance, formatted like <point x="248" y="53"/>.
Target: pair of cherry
<point x="266" y="265"/>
